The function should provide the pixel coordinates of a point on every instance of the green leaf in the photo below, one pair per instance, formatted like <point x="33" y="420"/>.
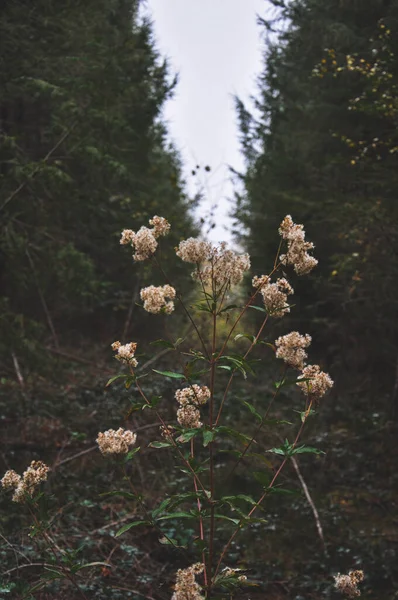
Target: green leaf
<point x="234" y="434"/>
<point x="176" y="515"/>
<point x="160" y="445"/>
<point x="130" y="455"/>
<point x="163" y="344"/>
<point x="244" y="497"/>
<point x="168" y="541"/>
<point x="129" y="381"/>
<point x="259" y="308"/>
<point x="306" y="450"/>
<point x="170" y="374"/>
<point x="188" y="434"/>
<point x="253" y="410"/>
<point x="225" y="518"/>
<point x="130" y="526"/>
<point x="112" y="379"/>
<point x="229" y="307"/>
<point x="162" y="506"/>
<point x="208" y="436"/>
<point x="248" y="336"/>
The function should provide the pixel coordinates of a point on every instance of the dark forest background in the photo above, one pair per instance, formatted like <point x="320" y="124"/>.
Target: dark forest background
<point x="84" y="153"/>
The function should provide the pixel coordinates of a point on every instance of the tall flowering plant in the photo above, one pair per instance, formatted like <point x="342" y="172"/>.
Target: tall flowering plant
<point x="199" y="417"/>
<point x="205" y="380"/>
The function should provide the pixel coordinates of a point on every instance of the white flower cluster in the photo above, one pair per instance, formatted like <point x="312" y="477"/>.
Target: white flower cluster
<point x="189" y="399"/>
<point x="193" y="250"/>
<point x="116" y="442"/>
<point x="318" y="382"/>
<point x="126" y="352"/>
<point x="216" y="264"/>
<point x="186" y="587"/>
<point x="160" y="226"/>
<point x="144" y="240"/>
<point x="297" y="248"/>
<point x="348" y="584"/>
<point x="25" y="486"/>
<point x="290" y="348"/>
<point x="196" y="394"/>
<point x="155" y="299"/>
<point x="274" y="294"/>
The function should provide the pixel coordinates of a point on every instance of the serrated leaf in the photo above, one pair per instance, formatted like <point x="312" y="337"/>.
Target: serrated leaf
<point x="208" y="436"/>
<point x="130" y="526"/>
<point x="186" y="436"/>
<point x="170" y="374"/>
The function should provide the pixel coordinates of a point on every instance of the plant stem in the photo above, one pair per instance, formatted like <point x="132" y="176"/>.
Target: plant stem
<point x="162" y="422"/>
<point x="211" y="452"/>
<point x="257" y="504"/>
<point x="232" y="375"/>
<point x="179" y="298"/>
<point x="201" y="529"/>
<point x="51" y="547"/>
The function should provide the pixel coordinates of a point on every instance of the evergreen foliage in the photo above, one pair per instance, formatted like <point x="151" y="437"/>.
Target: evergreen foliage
<point x="83" y="155"/>
<point x="321" y="145"/>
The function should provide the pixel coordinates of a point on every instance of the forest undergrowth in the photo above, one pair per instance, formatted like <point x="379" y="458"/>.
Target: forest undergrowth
<point x="330" y="512"/>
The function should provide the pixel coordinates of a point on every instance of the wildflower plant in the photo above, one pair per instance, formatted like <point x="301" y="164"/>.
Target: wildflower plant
<point x="205" y="376"/>
<point x="205" y="372"/>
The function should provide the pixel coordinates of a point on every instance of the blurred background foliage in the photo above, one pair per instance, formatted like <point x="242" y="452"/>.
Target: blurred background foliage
<point x="84" y="154"/>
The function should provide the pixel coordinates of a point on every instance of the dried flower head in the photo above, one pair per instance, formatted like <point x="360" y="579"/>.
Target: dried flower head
<point x="126" y="352"/>
<point x="188" y="417"/>
<point x="196" y="395"/>
<point x="194" y="250"/>
<point x="25" y="486"/>
<point x="116" y="442"/>
<point x="290" y="348"/>
<point x="127" y="237"/>
<point x="167" y="431"/>
<point x="11" y="480"/>
<point x="275" y="296"/>
<point x="348" y="584"/>
<point x="160" y="226"/>
<point x="186" y="587"/>
<point x="223" y="267"/>
<point x="260" y="282"/>
<point x="144" y="243"/>
<point x="318" y="382"/>
<point x="297" y="248"/>
<point x="155" y="299"/>
<point x="216" y="264"/>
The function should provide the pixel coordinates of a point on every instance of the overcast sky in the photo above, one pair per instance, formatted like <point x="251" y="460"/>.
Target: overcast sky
<point x="215" y="47"/>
